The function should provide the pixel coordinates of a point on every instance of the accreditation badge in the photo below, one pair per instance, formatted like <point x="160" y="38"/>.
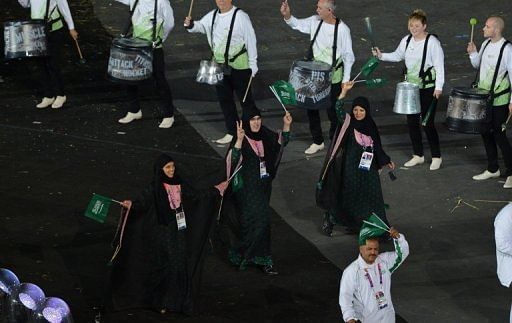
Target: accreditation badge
<point x="366" y="161"/>
<point x="263" y="170"/>
<point x="180" y="220"/>
<point x="381" y="300"/>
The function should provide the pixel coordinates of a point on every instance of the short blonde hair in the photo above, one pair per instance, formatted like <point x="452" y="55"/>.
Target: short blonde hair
<point x="420" y="15"/>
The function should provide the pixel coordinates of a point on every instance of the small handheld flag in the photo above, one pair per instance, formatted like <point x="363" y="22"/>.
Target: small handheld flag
<point x="98" y="206"/>
<point x="373" y="227"/>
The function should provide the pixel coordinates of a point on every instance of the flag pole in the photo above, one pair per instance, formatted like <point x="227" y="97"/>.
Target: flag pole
<point x="377" y="226"/>
<point x="247" y="89"/>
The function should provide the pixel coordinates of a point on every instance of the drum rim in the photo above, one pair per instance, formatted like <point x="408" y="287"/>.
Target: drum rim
<point x="11" y="23"/>
<point x="115" y="42"/>
<point x="458" y="91"/>
<point x="328" y="68"/>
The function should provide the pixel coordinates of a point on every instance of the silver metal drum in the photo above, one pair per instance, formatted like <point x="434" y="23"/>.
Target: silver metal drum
<point x="312" y="83"/>
<point x="466" y="110"/>
<point x="25" y="39"/>
<point x="131" y="60"/>
<point x="407" y="98"/>
<point x="210" y="72"/>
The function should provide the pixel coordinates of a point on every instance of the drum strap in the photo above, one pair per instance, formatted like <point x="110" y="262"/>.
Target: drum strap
<point x="477" y="76"/>
<point x="425" y="76"/>
<point x="129" y="24"/>
<point x="310" y="57"/>
<point x="154" y="24"/>
<point x="495" y="77"/>
<point x="228" y="41"/>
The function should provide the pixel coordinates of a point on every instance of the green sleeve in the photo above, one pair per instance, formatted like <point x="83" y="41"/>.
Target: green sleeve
<point x="286" y="138"/>
<point x="235" y="156"/>
<point x="340" y="113"/>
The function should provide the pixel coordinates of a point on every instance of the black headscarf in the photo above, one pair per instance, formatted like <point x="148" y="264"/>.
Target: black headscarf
<point x="161" y="199"/>
<point x="249" y="113"/>
<point x="368" y="127"/>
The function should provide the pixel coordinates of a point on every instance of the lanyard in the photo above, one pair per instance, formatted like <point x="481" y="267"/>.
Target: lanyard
<point x="367" y="275"/>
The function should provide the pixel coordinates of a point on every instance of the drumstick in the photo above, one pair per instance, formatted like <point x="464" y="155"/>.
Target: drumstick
<point x="472" y="22"/>
<point x="504" y="125"/>
<point x="190" y="10"/>
<point x="247" y="90"/>
<point x="79" y="51"/>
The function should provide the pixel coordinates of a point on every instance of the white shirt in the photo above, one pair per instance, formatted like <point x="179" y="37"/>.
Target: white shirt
<point x="38" y="10"/>
<point x="357" y="297"/>
<point x="243" y="34"/>
<point x="322" y="48"/>
<point x="490" y="59"/>
<point x="414" y="55"/>
<point x="503" y="237"/>
<point x="143" y="16"/>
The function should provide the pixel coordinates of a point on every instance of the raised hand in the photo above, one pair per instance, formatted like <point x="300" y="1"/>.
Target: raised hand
<point x="394" y="233"/>
<point x="471" y="48"/>
<point x="126" y="204"/>
<point x="240" y="134"/>
<point x="188" y="21"/>
<point x="285" y="10"/>
<point x="345" y="87"/>
<point x="376" y="52"/>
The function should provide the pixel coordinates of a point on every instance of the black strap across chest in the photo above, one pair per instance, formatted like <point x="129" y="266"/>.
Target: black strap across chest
<point x="425" y="76"/>
<point x="496" y="70"/>
<point x="228" y="41"/>
<point x="310" y="57"/>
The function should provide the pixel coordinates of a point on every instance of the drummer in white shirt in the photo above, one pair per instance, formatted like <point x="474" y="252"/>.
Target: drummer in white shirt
<point x="54" y="12"/>
<point x="486" y="59"/>
<point x="323" y="51"/>
<point x="428" y="74"/>
<point x="242" y="57"/>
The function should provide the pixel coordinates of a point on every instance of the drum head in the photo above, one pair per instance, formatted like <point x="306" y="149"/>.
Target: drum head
<point x="470" y="92"/>
<point x="23" y="22"/>
<point x="313" y="65"/>
<point x="131" y="43"/>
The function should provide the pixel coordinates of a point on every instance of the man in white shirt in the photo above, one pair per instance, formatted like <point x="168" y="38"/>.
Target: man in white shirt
<point x="324" y="22"/>
<point x="365" y="287"/>
<point x="238" y="55"/>
<point x="494" y="50"/>
<point x="54" y="13"/>
<point x="143" y="12"/>
<point x="503" y="237"/>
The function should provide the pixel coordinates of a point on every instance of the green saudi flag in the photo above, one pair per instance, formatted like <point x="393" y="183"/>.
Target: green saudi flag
<point x="238" y="182"/>
<point x="370" y="66"/>
<point x="284" y="92"/>
<point x="372" y="227"/>
<point x="98" y="207"/>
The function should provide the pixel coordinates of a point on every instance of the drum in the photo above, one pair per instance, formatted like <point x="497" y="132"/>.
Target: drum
<point x="312" y="83"/>
<point x="25" y="39"/>
<point x="466" y="111"/>
<point x="407" y="98"/>
<point x="210" y="72"/>
<point x="131" y="60"/>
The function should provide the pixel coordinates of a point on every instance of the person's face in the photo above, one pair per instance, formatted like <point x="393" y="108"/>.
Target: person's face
<point x="224" y="5"/>
<point x="169" y="169"/>
<point x="416" y="27"/>
<point x="359" y="113"/>
<point x="255" y="124"/>
<point x="370" y="251"/>
<point x="489" y="29"/>
<point x="322" y="9"/>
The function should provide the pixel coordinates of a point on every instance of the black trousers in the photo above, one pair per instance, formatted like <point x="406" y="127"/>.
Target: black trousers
<point x="161" y="84"/>
<point x="494" y="137"/>
<point x="236" y="82"/>
<point x="414" y="123"/>
<point x="315" y="125"/>
<point x="52" y="79"/>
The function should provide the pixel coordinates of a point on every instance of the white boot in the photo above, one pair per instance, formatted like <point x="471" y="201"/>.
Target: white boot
<point x="59" y="102"/>
<point x="166" y="123"/>
<point x="45" y="103"/>
<point x="129" y="117"/>
<point x="415" y="160"/>
<point x="486" y="175"/>
<point x="508" y="182"/>
<point x="314" y="148"/>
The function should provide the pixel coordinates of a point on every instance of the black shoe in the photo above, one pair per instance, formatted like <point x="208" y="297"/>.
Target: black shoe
<point x="327" y="225"/>
<point x="269" y="270"/>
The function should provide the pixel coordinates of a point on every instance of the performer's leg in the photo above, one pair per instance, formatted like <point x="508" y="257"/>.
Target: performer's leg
<point x="499" y="116"/>
<point x="54" y="85"/>
<point x="315" y="126"/>
<point x="426" y="97"/>
<point x="161" y="82"/>
<point x="227" y="104"/>
<point x="491" y="151"/>
<point x="331" y="112"/>
<point x="413" y="122"/>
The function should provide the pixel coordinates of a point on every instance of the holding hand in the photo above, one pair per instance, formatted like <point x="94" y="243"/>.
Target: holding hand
<point x="285" y="10"/>
<point x="222" y="187"/>
<point x="74" y="34"/>
<point x="126" y="204"/>
<point x="471" y="48"/>
<point x="287" y="121"/>
<point x="188" y="21"/>
<point x="345" y="87"/>
<point x="394" y="233"/>
<point x="376" y="52"/>
<point x="391" y="165"/>
<point x="437" y="93"/>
